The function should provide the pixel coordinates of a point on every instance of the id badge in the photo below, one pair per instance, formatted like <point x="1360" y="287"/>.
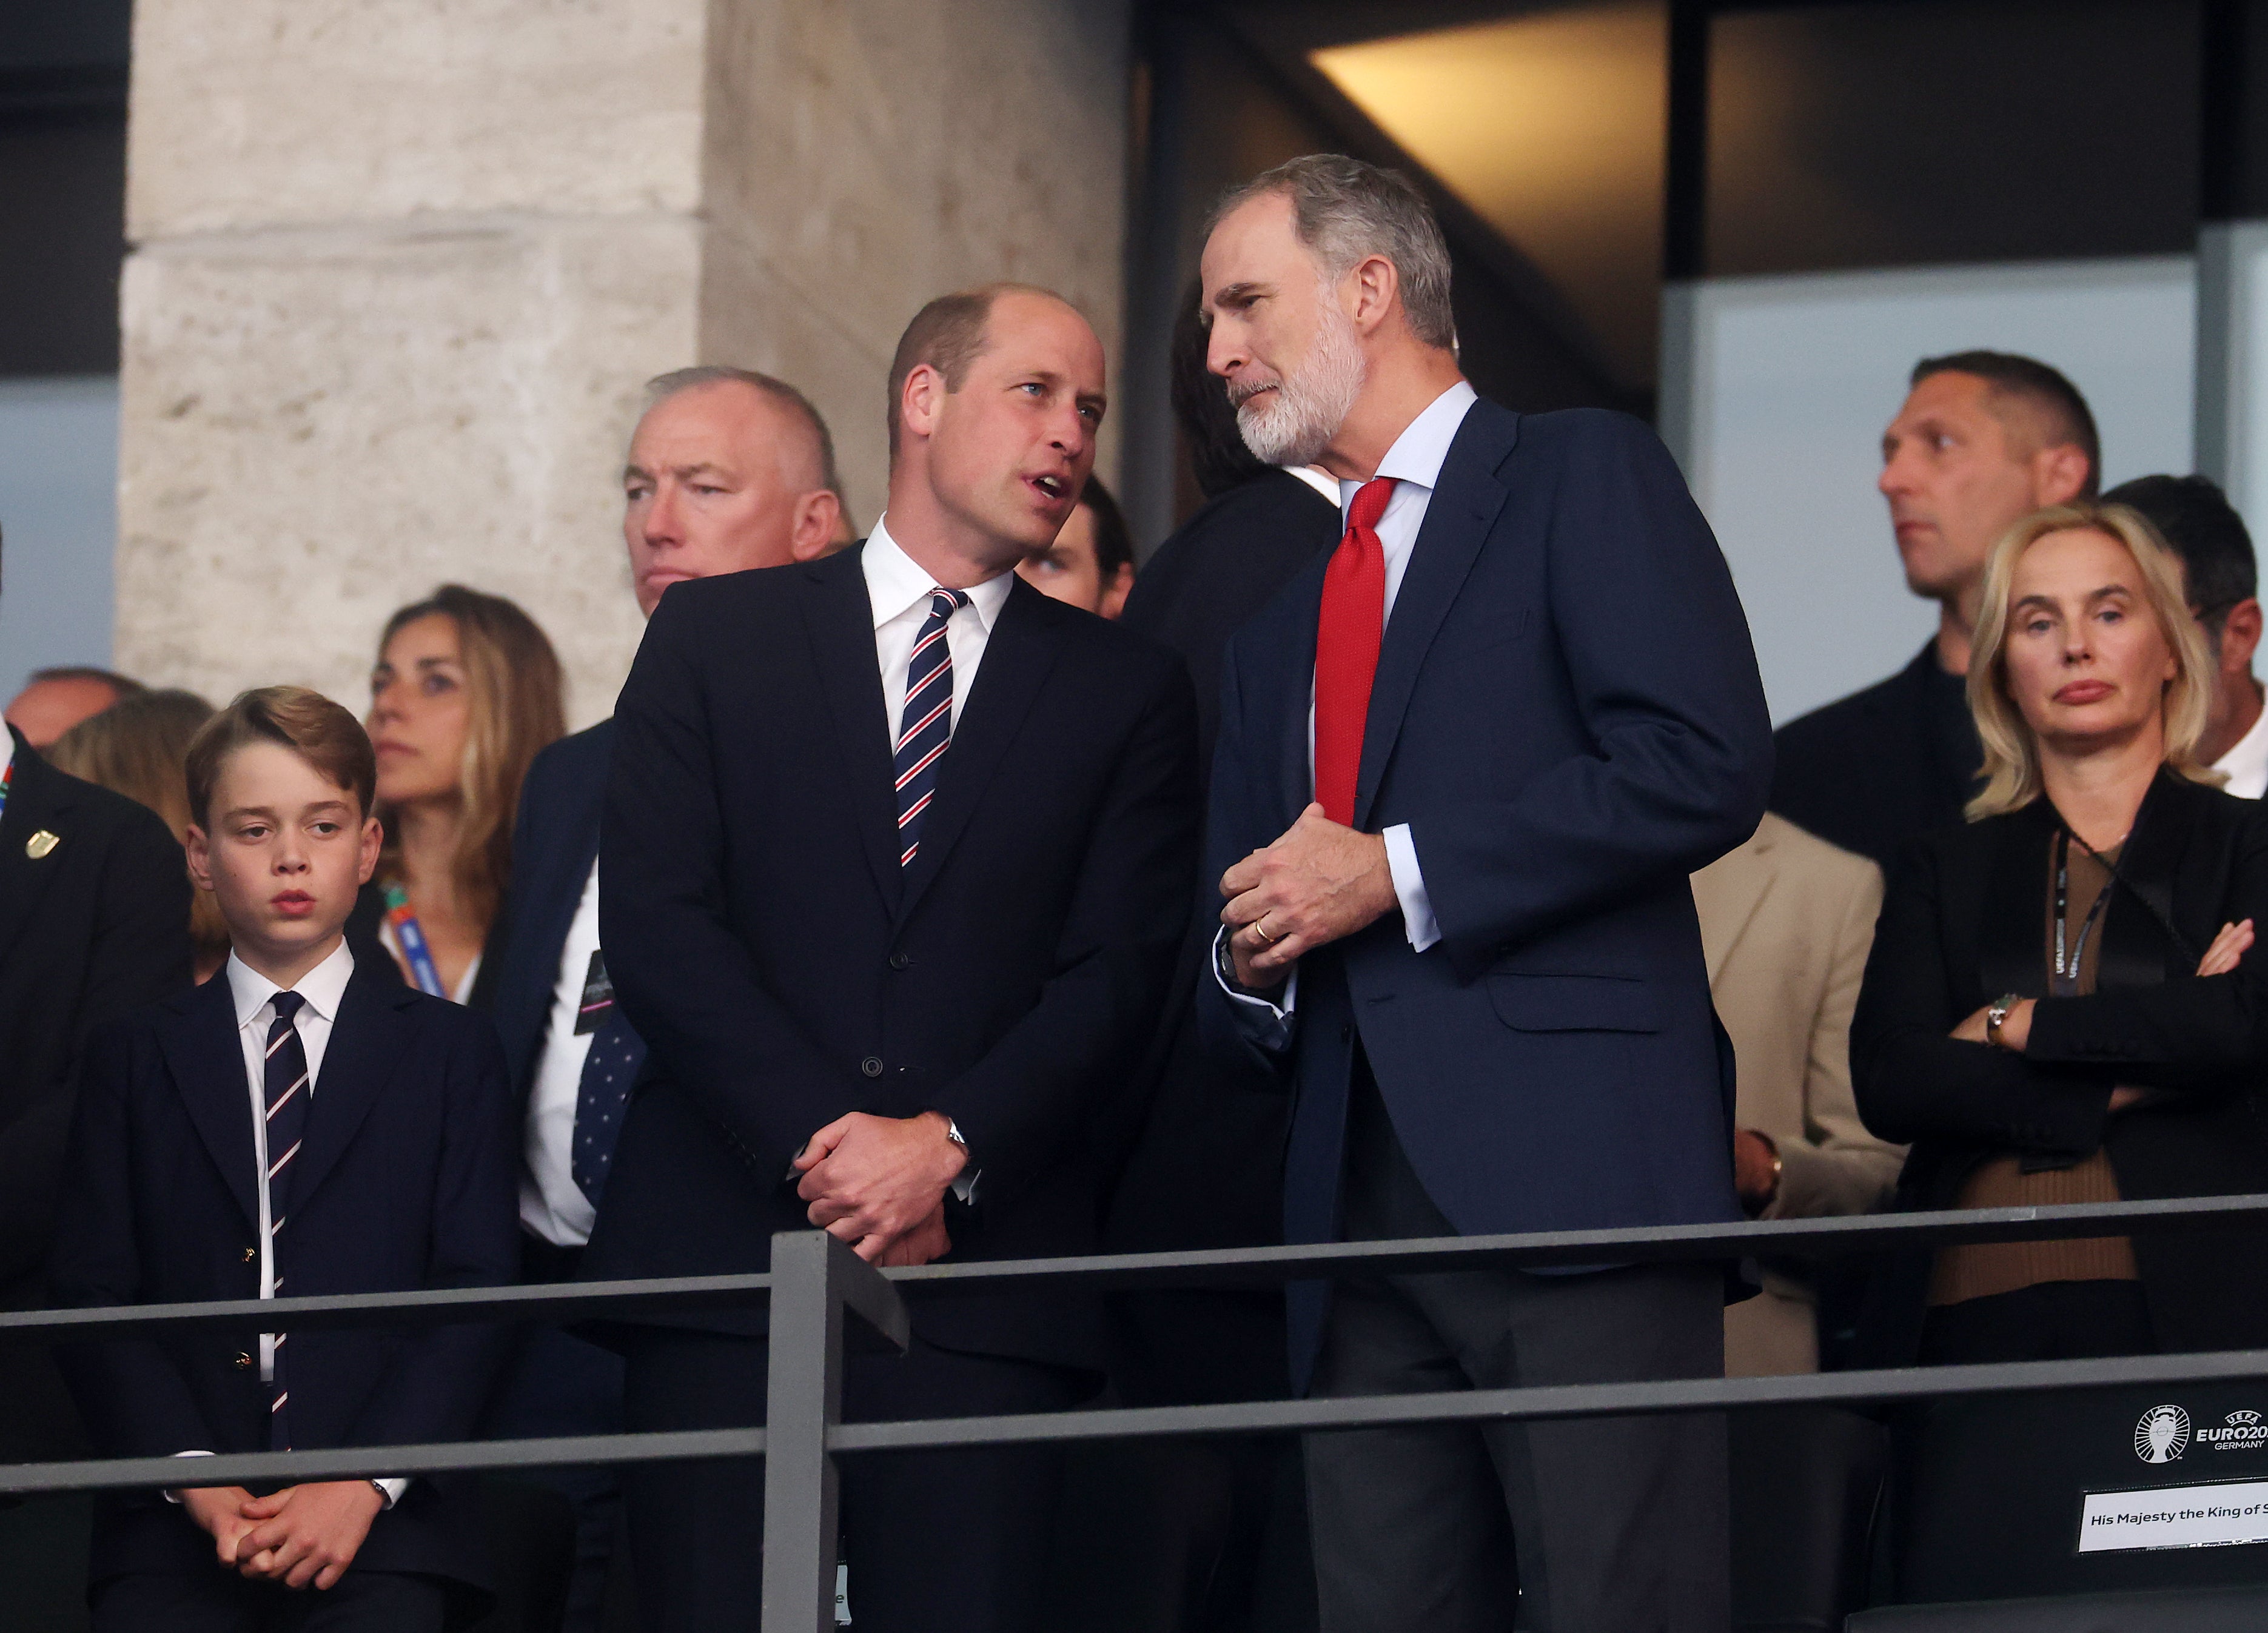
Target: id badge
<point x="598" y="995"/>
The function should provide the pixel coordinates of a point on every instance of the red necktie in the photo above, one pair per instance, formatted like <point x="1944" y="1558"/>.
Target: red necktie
<point x="1347" y="649"/>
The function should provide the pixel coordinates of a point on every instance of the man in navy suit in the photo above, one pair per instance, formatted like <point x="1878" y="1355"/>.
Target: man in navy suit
<point x="297" y="1125"/>
<point x="1465" y="764"/>
<point x="896" y="855"/>
<point x="728" y="470"/>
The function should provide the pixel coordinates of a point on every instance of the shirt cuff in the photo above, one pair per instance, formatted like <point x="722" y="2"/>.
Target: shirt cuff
<point x="1409" y="888"/>
<point x="392" y="1488"/>
<point x="172" y="1494"/>
<point x="1257" y="1005"/>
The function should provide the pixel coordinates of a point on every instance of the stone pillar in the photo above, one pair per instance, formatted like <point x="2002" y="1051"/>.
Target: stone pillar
<point x="398" y="272"/>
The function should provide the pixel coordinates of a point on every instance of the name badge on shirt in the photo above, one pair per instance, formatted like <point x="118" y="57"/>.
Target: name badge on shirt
<point x="598" y="995"/>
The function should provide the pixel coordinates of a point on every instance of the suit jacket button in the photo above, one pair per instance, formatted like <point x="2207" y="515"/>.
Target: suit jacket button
<point x="872" y="1065"/>
<point x="901" y="960"/>
<point x="243" y="1361"/>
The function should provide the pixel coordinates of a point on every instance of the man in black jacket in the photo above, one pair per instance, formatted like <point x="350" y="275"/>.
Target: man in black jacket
<point x="728" y="470"/>
<point x="1984" y="438"/>
<point x="890" y="923"/>
<point x="95" y="920"/>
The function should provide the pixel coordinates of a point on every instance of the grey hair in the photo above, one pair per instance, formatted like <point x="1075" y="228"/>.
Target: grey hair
<point x="662" y="387"/>
<point x="1345" y="211"/>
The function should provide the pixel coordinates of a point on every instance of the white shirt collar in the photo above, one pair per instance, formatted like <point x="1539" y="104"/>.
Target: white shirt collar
<point x="1415" y="459"/>
<point x="323" y="986"/>
<point x="897" y="581"/>
<point x="7" y="749"/>
<point x="2246" y="762"/>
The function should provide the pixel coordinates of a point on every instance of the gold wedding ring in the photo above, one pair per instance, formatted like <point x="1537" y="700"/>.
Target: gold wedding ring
<point x="1260" y="928"/>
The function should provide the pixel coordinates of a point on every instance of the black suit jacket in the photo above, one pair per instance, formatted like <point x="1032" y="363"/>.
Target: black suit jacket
<point x="784" y="970"/>
<point x="1962" y="923"/>
<point x="1219" y="568"/>
<point x="1204" y="1168"/>
<point x="1879" y="767"/>
<point x="1567" y="716"/>
<point x="406" y="1181"/>
<point x="555" y="842"/>
<point x="96" y="927"/>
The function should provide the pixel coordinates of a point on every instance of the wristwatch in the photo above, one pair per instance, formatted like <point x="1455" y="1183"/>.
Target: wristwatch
<point x="1998" y="1014"/>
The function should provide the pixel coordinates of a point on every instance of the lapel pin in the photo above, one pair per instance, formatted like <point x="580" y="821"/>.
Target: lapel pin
<point x="39" y="843"/>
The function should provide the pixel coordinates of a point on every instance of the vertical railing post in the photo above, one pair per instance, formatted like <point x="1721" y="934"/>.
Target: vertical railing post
<point x="804" y="1397"/>
<point x="815" y="1278"/>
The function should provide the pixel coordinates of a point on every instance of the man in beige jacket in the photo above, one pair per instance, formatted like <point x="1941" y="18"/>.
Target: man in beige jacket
<point x="1785" y="922"/>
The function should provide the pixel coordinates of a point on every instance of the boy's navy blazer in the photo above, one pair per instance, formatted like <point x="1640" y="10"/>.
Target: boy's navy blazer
<point x="1568" y="716"/>
<point x="407" y="1180"/>
<point x="785" y="969"/>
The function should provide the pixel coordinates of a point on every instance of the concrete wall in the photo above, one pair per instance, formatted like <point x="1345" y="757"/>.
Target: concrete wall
<point x="400" y="270"/>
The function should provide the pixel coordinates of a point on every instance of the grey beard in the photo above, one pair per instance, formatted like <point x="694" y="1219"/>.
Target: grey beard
<point x="1309" y="406"/>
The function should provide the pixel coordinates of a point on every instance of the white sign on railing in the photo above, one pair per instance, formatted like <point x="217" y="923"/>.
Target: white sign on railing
<point x="2206" y="1516"/>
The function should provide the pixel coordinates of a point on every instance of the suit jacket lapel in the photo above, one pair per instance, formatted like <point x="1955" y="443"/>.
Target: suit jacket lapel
<point x="38" y="797"/>
<point x="1743" y="891"/>
<point x="1463" y="507"/>
<point x="2013" y="928"/>
<point x="839" y="618"/>
<point x="206" y="1057"/>
<point x="2136" y="951"/>
<point x="1018" y="655"/>
<point x="1294" y="705"/>
<point x="366" y="1038"/>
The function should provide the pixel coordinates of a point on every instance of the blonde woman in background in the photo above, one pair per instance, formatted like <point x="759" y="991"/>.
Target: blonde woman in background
<point x="137" y="747"/>
<point x="466" y="690"/>
<point x="2062" y="1006"/>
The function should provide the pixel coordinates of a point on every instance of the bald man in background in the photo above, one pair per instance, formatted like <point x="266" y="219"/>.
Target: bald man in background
<point x="728" y="470"/>
<point x="53" y="700"/>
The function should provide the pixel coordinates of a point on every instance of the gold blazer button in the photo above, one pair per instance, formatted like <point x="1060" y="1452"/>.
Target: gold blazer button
<point x="39" y="843"/>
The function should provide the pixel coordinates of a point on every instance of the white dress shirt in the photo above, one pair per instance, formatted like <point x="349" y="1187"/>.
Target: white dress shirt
<point x="7" y="750"/>
<point x="2246" y="762"/>
<point x="899" y="589"/>
<point x="551" y="1204"/>
<point x="1414" y="462"/>
<point x="322" y="986"/>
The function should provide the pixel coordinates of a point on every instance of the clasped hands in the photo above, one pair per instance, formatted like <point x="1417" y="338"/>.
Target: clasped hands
<point x="302" y="1536"/>
<point x="2227" y="950"/>
<point x="1320" y="882"/>
<point x="878" y="1184"/>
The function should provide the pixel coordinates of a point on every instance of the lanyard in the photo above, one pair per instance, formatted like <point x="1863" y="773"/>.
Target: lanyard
<point x="411" y="934"/>
<point x="2066" y="973"/>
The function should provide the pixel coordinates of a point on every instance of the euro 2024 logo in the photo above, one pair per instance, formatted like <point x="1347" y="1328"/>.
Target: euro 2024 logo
<point x="2162" y="1435"/>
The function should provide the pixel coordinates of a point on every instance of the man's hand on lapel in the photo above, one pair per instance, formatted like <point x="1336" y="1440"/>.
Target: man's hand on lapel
<point x="1320" y="882"/>
<point x="878" y="1183"/>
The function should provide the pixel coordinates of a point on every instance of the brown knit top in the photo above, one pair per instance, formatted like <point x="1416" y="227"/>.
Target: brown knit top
<point x="1981" y="1269"/>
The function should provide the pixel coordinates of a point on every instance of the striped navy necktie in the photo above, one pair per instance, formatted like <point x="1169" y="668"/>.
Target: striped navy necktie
<point x="288" y="1093"/>
<point x="926" y="723"/>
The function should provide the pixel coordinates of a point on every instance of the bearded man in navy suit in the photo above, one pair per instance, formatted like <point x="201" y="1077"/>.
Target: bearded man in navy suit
<point x="1466" y="763"/>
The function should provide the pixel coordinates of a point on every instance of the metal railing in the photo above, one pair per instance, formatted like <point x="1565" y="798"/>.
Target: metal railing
<point x="815" y="1281"/>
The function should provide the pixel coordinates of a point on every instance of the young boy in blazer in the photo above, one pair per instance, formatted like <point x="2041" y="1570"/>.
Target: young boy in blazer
<point x="297" y="1126"/>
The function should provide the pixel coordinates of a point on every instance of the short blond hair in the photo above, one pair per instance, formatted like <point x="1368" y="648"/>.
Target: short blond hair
<point x="2012" y="754"/>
